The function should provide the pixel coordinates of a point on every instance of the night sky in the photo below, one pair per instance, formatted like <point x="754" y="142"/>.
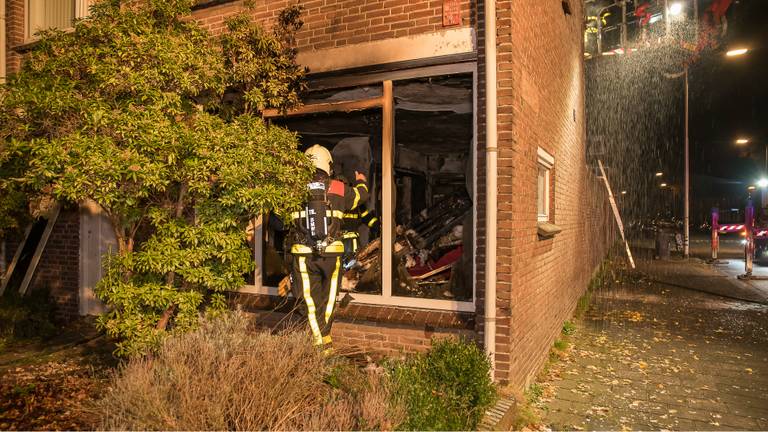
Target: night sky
<point x="729" y="99"/>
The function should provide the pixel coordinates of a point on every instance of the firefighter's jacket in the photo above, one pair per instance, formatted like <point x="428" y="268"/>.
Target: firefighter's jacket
<point x="361" y="215"/>
<point x="341" y="198"/>
<point x="352" y="221"/>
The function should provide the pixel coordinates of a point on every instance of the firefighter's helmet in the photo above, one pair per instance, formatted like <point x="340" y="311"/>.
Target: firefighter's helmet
<point x="320" y="157"/>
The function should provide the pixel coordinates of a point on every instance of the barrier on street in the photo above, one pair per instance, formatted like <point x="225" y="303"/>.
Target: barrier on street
<point x="749" y="247"/>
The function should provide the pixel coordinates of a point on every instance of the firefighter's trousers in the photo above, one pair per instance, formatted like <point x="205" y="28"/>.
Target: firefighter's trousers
<point x="317" y="279"/>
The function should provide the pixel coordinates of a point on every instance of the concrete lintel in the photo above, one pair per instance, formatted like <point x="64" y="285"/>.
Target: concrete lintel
<point x="447" y="42"/>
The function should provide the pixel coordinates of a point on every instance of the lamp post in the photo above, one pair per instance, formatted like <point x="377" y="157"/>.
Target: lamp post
<point x="686" y="205"/>
<point x="687" y="183"/>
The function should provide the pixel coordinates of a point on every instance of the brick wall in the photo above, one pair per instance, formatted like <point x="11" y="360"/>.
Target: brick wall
<point x="384" y="338"/>
<point x="58" y="269"/>
<point x="541" y="104"/>
<point x="14" y="22"/>
<point x="334" y="23"/>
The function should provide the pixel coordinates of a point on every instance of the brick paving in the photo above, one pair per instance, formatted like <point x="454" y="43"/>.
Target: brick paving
<point x="650" y="356"/>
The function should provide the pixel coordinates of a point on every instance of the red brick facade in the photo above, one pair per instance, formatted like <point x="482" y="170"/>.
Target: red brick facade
<point x="14" y="26"/>
<point x="59" y="266"/>
<point x="540" y="104"/>
<point x="334" y="23"/>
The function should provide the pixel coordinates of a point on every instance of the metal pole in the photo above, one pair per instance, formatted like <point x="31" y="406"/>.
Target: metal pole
<point x="749" y="248"/>
<point x="696" y="19"/>
<point x="686" y="215"/>
<point x="764" y="191"/>
<point x="715" y="232"/>
<point x="599" y="34"/>
<point x="624" y="26"/>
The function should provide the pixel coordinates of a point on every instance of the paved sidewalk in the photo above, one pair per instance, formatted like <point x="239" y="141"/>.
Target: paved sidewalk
<point x="695" y="274"/>
<point x="652" y="356"/>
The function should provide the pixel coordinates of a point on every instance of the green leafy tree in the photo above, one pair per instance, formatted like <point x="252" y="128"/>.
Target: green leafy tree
<point x="133" y="110"/>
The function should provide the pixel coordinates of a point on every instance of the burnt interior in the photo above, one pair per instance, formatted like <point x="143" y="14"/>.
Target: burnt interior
<point x="433" y="162"/>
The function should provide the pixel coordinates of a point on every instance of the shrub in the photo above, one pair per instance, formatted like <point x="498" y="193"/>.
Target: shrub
<point x="25" y="317"/>
<point x="225" y="377"/>
<point x="448" y="388"/>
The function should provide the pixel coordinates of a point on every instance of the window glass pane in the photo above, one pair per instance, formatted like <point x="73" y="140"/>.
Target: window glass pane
<point x="432" y="255"/>
<point x="45" y="14"/>
<point x="344" y="94"/>
<point x="541" y="194"/>
<point x="354" y="140"/>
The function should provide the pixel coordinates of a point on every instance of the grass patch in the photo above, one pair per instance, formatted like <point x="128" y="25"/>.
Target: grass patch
<point x="525" y="415"/>
<point x="569" y="328"/>
<point x="534" y="393"/>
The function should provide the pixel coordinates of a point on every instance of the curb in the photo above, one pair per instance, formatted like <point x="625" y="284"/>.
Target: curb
<point x="500" y="416"/>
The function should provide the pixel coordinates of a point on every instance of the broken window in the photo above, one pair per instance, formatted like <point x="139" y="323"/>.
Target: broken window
<point x="432" y="256"/>
<point x="414" y="139"/>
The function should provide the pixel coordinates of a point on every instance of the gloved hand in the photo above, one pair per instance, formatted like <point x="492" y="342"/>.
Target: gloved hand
<point x="375" y="231"/>
<point x="360" y="176"/>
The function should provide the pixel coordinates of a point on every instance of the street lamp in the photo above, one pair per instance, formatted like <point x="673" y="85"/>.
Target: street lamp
<point x="676" y="9"/>
<point x="663" y="185"/>
<point x="659" y="174"/>
<point x="744" y="140"/>
<point x="737" y="52"/>
<point x="762" y="183"/>
<point x="623" y="192"/>
<point x="686" y="145"/>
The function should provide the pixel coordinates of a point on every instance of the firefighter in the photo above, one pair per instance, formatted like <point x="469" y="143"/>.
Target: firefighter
<point x="317" y="247"/>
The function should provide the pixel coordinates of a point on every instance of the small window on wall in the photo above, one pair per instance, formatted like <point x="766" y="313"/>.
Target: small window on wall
<point x="545" y="164"/>
<point x="60" y="14"/>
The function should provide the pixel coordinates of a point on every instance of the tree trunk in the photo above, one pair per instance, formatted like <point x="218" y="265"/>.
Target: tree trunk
<point x="171" y="276"/>
<point x="166" y="317"/>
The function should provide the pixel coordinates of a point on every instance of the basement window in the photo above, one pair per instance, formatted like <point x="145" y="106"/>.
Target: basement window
<point x="543" y="184"/>
<point x="48" y="14"/>
<point x="414" y="135"/>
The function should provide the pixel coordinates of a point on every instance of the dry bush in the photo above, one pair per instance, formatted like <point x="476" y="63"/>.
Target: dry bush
<point x="225" y="376"/>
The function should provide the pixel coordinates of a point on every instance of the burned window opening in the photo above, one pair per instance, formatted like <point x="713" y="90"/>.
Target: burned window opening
<point x="430" y="203"/>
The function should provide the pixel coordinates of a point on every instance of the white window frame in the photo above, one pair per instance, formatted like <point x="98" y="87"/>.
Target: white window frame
<point x="81" y="11"/>
<point x="546" y="161"/>
<point x="388" y="199"/>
